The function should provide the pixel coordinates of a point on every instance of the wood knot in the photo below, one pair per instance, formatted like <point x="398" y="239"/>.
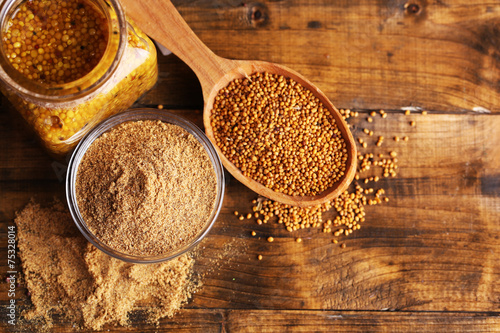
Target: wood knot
<point x="416" y="10"/>
<point x="258" y="15"/>
<point x="413" y="8"/>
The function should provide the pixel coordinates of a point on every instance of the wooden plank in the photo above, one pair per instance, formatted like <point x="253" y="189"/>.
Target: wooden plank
<point x="367" y="54"/>
<point x="220" y="320"/>
<point x="337" y="321"/>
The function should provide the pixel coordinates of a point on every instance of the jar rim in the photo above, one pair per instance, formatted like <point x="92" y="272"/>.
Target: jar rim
<point x="82" y="86"/>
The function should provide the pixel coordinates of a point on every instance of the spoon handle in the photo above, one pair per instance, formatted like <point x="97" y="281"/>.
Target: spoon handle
<point x="161" y="21"/>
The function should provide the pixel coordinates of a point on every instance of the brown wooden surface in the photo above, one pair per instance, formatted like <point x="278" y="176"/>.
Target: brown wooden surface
<point x="426" y="261"/>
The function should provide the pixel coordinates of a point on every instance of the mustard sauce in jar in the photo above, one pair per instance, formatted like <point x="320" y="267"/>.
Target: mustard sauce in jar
<point x="68" y="64"/>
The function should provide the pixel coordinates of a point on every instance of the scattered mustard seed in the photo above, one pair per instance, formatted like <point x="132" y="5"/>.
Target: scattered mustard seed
<point x="270" y="239"/>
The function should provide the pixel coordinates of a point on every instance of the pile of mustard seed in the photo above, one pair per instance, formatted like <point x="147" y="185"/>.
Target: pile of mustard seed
<point x="280" y="134"/>
<point x="146" y="188"/>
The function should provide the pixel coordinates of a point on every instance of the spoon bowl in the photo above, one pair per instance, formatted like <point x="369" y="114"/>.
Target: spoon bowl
<point x="161" y="21"/>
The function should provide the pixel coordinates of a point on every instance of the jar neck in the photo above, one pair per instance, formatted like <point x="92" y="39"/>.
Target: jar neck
<point x="84" y="86"/>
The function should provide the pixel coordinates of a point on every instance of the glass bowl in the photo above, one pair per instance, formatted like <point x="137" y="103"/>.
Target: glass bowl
<point x="135" y="115"/>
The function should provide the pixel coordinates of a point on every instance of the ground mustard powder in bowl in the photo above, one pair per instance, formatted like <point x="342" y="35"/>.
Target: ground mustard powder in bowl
<point x="146" y="189"/>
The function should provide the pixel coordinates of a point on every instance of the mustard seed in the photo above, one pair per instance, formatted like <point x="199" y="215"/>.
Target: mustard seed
<point x="379" y="141"/>
<point x="349" y="206"/>
<point x="270" y="239"/>
<point x="278" y="133"/>
<point x="44" y="54"/>
<point x="259" y="257"/>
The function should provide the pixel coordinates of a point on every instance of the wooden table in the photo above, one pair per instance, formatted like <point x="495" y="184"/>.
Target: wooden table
<point x="429" y="259"/>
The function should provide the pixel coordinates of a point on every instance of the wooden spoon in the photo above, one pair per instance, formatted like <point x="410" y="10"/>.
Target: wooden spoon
<point x="160" y="20"/>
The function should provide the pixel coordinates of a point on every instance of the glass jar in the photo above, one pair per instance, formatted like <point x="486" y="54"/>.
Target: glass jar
<point x="61" y="113"/>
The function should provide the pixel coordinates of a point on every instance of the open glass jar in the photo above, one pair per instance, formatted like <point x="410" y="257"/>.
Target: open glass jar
<point x="66" y="65"/>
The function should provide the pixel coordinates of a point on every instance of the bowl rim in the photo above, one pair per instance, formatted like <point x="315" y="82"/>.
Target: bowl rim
<point x="138" y="115"/>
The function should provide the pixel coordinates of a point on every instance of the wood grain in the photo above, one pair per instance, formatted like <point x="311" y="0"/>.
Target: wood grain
<point x="426" y="261"/>
<point x="264" y="321"/>
<point x="366" y="54"/>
